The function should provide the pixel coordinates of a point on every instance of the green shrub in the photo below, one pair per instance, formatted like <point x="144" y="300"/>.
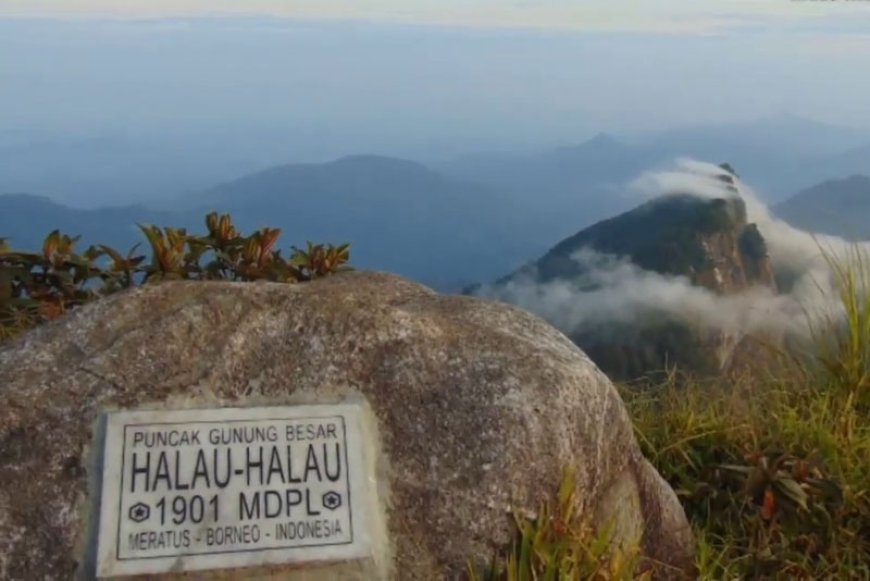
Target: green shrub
<point x="773" y="466"/>
<point x="37" y="287"/>
<point x="843" y="338"/>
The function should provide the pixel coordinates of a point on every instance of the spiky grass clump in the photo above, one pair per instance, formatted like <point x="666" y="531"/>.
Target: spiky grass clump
<point x="767" y="478"/>
<point x="773" y="468"/>
<point x="843" y="337"/>
<point x="558" y="544"/>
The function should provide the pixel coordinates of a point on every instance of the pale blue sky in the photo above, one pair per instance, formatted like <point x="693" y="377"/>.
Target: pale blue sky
<point x="663" y="16"/>
<point x="424" y="75"/>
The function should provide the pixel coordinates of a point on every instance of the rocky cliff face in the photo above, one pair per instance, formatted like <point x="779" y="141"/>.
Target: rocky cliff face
<point x="707" y="242"/>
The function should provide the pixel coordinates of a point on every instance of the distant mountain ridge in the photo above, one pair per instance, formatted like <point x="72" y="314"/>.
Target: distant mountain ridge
<point x="398" y="216"/>
<point x="778" y="154"/>
<point x="835" y="207"/>
<point x="445" y="224"/>
<point x="26" y="219"/>
<point x="580" y="183"/>
<point x="289" y="178"/>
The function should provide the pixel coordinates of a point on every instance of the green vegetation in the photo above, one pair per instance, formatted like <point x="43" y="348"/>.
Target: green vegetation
<point x="845" y="354"/>
<point x="37" y="287"/>
<point x="772" y="481"/>
<point x="772" y="467"/>
<point x="558" y="544"/>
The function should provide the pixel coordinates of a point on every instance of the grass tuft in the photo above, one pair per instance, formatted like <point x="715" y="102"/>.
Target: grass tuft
<point x="559" y="544"/>
<point x="772" y="465"/>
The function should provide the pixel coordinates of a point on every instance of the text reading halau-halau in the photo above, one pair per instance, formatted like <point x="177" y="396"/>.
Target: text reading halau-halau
<point x="227" y="483"/>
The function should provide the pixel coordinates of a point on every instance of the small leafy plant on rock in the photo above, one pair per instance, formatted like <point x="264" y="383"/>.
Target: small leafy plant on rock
<point x="40" y="286"/>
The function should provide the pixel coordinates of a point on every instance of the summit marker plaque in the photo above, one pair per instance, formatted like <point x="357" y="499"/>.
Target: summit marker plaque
<point x="233" y="487"/>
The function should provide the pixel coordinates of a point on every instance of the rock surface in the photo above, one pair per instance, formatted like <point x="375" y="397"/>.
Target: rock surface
<point x="480" y="406"/>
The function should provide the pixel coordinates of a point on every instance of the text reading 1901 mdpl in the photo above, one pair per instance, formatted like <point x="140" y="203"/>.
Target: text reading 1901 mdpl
<point x="223" y="488"/>
<point x="212" y="487"/>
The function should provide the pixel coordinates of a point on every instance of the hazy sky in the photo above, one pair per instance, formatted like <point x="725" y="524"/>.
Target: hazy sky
<point x="675" y="16"/>
<point x="448" y="74"/>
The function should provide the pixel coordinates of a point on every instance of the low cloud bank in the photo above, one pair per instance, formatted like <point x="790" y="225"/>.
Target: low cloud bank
<point x="614" y="292"/>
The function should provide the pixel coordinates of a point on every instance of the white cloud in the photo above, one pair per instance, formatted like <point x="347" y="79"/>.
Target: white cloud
<point x="612" y="290"/>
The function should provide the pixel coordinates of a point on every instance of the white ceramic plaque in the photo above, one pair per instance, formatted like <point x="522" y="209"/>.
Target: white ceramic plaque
<point x="232" y="487"/>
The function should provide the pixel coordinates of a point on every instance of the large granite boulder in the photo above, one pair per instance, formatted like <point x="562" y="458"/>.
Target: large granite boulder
<point x="479" y="406"/>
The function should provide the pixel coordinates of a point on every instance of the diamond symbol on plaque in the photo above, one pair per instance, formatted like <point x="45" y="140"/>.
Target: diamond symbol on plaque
<point x="139" y="512"/>
<point x="331" y="500"/>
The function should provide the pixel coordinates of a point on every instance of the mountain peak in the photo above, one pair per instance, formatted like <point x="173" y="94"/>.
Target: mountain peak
<point x="24" y="199"/>
<point x="600" y="148"/>
<point x="377" y="161"/>
<point x="708" y="243"/>
<point x="602" y="137"/>
<point x="787" y="117"/>
<point x="603" y="140"/>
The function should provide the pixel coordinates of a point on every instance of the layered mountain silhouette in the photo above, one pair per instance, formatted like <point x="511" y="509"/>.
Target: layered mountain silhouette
<point x="398" y="215"/>
<point x="578" y="184"/>
<point x="26" y="219"/>
<point x="779" y="155"/>
<point x="835" y="207"/>
<point x="455" y="222"/>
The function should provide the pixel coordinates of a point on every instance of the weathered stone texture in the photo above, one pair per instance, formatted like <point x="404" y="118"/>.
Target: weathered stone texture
<point x="479" y="407"/>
